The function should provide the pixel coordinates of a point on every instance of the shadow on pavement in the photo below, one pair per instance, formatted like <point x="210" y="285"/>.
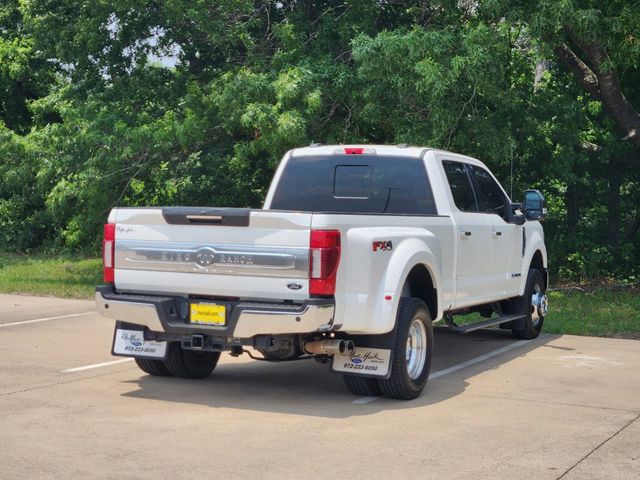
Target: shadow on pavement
<point x="310" y="389"/>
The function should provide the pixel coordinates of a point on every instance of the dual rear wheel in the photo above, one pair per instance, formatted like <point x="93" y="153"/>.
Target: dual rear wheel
<point x="411" y="360"/>
<point x="181" y="363"/>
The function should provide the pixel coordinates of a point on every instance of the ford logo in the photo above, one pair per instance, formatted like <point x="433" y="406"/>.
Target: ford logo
<point x="205" y="256"/>
<point x="294" y="286"/>
<point x="136" y="343"/>
<point x="356" y="360"/>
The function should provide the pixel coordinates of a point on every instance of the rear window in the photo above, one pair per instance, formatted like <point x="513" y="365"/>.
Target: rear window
<point x="355" y="184"/>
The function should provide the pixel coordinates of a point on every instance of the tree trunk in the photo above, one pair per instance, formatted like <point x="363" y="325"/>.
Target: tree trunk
<point x="613" y="205"/>
<point x="573" y="210"/>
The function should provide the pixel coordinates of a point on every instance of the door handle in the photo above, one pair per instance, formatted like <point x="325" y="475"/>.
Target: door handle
<point x="496" y="234"/>
<point x="464" y="234"/>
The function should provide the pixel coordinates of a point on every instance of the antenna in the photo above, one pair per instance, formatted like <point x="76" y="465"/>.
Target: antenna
<point x="511" y="177"/>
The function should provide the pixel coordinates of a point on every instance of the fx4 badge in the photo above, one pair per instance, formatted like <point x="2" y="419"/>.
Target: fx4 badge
<point x="384" y="245"/>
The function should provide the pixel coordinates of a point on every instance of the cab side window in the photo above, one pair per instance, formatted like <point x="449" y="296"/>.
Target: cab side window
<point x="460" y="185"/>
<point x="491" y="199"/>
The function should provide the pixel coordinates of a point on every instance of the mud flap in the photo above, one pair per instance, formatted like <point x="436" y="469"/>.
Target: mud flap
<point x="129" y="341"/>
<point x="372" y="357"/>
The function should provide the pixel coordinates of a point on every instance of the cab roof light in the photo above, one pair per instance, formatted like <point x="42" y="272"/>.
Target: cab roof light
<point x="354" y="151"/>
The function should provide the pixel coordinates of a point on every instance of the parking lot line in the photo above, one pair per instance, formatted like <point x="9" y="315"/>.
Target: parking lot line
<point x="478" y="359"/>
<point x="363" y="400"/>
<point x="455" y="368"/>
<point x="96" y="365"/>
<point x="46" y="319"/>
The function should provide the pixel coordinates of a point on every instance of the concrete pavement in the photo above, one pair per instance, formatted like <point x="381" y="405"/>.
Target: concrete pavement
<point x="556" y="407"/>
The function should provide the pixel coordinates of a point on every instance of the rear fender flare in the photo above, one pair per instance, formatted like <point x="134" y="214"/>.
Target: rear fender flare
<point x="411" y="252"/>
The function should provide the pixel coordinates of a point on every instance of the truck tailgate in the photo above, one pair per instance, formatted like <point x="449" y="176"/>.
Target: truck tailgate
<point x="216" y="252"/>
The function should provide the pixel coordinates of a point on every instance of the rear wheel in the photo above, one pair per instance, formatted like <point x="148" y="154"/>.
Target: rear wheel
<point x="153" y="367"/>
<point x="190" y="363"/>
<point x="363" y="386"/>
<point x="412" y="351"/>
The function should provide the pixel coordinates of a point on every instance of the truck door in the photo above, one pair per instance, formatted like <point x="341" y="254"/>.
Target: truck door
<point x="473" y="232"/>
<point x="505" y="238"/>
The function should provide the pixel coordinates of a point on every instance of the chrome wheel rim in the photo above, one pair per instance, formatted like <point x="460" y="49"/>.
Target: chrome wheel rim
<point x="416" y="353"/>
<point x="539" y="305"/>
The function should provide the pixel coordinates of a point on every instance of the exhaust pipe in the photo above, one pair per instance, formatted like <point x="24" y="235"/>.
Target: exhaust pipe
<point x="329" y="347"/>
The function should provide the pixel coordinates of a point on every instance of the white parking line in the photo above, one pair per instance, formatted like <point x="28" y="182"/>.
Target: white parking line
<point x="455" y="368"/>
<point x="46" y="319"/>
<point x="96" y="365"/>
<point x="481" y="358"/>
<point x="363" y="400"/>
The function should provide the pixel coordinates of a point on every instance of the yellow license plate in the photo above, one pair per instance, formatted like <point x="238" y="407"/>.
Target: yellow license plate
<point x="208" y="313"/>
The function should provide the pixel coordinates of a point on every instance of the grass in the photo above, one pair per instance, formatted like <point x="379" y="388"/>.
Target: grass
<point x="599" y="311"/>
<point x="43" y="276"/>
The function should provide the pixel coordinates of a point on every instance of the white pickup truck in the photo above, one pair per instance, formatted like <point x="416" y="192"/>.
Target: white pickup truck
<point x="356" y="252"/>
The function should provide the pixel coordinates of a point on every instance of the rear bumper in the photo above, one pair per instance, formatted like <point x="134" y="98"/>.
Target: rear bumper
<point x="244" y="320"/>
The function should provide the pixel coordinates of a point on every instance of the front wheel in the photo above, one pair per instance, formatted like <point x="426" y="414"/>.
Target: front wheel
<point x="533" y="304"/>
<point x="412" y="351"/>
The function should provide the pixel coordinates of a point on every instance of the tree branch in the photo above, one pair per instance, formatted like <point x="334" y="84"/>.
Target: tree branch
<point x="582" y="73"/>
<point x="607" y="87"/>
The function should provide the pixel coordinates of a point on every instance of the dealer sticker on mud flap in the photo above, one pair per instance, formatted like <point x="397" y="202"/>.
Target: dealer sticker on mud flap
<point x="132" y="343"/>
<point x="367" y="361"/>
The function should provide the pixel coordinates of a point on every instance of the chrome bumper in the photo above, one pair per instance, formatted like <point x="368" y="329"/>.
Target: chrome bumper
<point x="140" y="313"/>
<point x="246" y="320"/>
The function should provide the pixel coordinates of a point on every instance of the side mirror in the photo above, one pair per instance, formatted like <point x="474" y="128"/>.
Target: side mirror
<point x="535" y="208"/>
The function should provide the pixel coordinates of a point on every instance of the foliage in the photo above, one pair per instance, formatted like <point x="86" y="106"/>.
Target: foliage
<point x="182" y="102"/>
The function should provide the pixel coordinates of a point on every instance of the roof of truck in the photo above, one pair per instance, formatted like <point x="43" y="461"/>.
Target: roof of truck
<point x="401" y="150"/>
<point x="395" y="150"/>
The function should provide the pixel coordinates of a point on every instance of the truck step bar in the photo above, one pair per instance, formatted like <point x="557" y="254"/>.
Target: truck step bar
<point x="484" y="324"/>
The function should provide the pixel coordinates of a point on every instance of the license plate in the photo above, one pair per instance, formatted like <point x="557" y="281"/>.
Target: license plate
<point x="131" y="343"/>
<point x="364" y="361"/>
<point x="208" y="313"/>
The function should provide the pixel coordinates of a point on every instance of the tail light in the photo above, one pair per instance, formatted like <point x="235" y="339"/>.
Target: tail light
<point x="108" y="252"/>
<point x="323" y="261"/>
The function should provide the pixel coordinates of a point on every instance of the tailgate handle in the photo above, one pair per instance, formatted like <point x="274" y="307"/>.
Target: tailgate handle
<point x="205" y="218"/>
<point x="224" y="217"/>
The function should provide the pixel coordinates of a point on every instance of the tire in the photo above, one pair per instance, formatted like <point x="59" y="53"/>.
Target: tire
<point x="190" y="363"/>
<point x="362" y="386"/>
<point x="409" y="375"/>
<point x="531" y="326"/>
<point x="153" y="367"/>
